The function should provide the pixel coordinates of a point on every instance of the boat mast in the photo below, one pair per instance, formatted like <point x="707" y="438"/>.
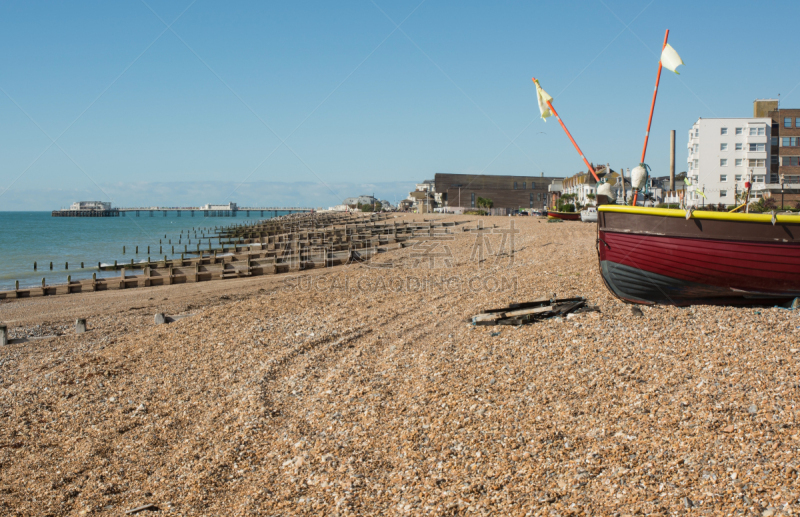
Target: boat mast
<point x="652" y="107"/>
<point x="550" y="105"/>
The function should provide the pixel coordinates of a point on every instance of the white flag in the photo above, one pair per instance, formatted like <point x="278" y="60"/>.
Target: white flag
<point x="670" y="59"/>
<point x="543" y="98"/>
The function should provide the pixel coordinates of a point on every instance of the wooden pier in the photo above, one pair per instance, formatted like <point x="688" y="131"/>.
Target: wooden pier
<point x="152" y="210"/>
<point x="114" y="212"/>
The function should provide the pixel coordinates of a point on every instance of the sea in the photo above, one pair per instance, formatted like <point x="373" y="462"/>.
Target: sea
<point x="28" y="237"/>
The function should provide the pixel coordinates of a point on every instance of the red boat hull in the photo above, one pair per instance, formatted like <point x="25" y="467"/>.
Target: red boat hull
<point x="668" y="260"/>
<point x="567" y="216"/>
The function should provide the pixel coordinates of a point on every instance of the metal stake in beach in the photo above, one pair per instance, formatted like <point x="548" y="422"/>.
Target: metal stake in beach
<point x="69" y="279"/>
<point x="98" y="265"/>
<point x="16" y="285"/>
<point x="123" y="250"/>
<point x="115" y="264"/>
<point x="173" y="250"/>
<point x="94" y="277"/>
<point x="81" y="265"/>
<point x="137" y="250"/>
<point x="161" y="249"/>
<point x="589" y="165"/>
<point x="34" y="265"/>
<point x="51" y="266"/>
<point x="148" y="251"/>
<point x="652" y="107"/>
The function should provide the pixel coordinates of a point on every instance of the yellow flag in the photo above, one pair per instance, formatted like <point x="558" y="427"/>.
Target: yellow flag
<point x="670" y="59"/>
<point x="543" y="98"/>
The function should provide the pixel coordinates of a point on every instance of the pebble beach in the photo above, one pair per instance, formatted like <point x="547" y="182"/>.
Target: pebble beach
<point x="365" y="389"/>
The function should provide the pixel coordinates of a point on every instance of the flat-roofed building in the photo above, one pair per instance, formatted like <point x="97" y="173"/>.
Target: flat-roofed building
<point x="509" y="192"/>
<point x="723" y="153"/>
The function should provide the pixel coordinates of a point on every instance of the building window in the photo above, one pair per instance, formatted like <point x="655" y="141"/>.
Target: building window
<point x="697" y="133"/>
<point x="531" y="199"/>
<point x="694" y="178"/>
<point x="739" y="147"/>
<point x="756" y="163"/>
<point x="723" y="147"/>
<point x="723" y="193"/>
<point x="787" y="122"/>
<point x="738" y="177"/>
<point x="723" y="162"/>
<point x="523" y="185"/>
<point x="791" y="161"/>
<point x="538" y="196"/>
<point x="774" y="141"/>
<point x="739" y="131"/>
<point x="762" y="131"/>
<point x="515" y="185"/>
<point x="790" y="141"/>
<point x="696" y="163"/>
<point x="695" y="148"/>
<point x="774" y="159"/>
<point x="756" y="147"/>
<point x="797" y="122"/>
<point x="473" y="200"/>
<point x="758" y="179"/>
<point x="738" y="162"/>
<point x="723" y="131"/>
<point x="723" y="177"/>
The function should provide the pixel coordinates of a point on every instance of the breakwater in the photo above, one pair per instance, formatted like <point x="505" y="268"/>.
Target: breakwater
<point x="289" y="243"/>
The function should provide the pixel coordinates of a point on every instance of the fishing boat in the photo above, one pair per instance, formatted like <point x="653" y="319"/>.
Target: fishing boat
<point x="589" y="215"/>
<point x="679" y="257"/>
<point x="567" y="216"/>
<point x="683" y="257"/>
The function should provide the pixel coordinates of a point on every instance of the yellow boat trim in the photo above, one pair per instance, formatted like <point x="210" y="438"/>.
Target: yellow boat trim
<point x="700" y="214"/>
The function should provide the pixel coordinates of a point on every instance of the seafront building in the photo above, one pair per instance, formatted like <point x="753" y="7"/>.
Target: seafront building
<point x="507" y="193"/>
<point x="785" y="144"/>
<point x="724" y="153"/>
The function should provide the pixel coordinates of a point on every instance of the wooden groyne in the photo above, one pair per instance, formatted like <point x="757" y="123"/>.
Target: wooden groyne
<point x="292" y="243"/>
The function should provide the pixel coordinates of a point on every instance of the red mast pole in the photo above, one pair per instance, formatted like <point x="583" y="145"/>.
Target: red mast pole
<point x="550" y="105"/>
<point x="652" y="107"/>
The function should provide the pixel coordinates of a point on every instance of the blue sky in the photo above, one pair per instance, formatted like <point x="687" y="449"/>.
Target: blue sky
<point x="144" y="115"/>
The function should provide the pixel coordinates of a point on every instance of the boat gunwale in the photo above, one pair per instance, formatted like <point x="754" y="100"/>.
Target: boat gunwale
<point x="699" y="214"/>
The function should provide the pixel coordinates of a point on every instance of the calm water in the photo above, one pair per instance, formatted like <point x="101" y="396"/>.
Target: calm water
<point x="26" y="237"/>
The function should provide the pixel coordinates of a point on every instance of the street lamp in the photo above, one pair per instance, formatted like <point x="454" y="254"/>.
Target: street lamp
<point x="781" y="193"/>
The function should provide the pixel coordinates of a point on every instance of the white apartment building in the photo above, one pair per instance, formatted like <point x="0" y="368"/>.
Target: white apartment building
<point x="723" y="154"/>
